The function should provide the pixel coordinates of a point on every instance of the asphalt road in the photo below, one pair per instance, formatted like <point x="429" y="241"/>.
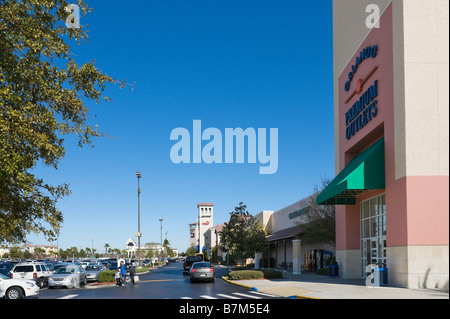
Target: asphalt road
<point x="167" y="282"/>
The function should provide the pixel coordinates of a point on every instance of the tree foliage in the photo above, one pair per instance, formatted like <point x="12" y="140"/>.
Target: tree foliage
<point x="319" y="223"/>
<point x="243" y="235"/>
<point x="43" y="92"/>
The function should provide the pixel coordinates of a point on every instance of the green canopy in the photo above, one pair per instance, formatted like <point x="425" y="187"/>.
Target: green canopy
<point x="364" y="172"/>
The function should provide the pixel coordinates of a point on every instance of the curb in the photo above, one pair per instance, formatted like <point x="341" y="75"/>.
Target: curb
<point x="239" y="284"/>
<point x="303" y="297"/>
<point x="256" y="289"/>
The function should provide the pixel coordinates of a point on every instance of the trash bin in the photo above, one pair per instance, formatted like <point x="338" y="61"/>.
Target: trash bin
<point x="333" y="270"/>
<point x="383" y="275"/>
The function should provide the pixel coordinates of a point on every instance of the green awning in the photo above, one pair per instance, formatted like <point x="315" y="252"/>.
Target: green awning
<point x="364" y="172"/>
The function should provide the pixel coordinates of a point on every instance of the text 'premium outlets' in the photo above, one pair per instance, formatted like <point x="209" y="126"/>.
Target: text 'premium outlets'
<point x="212" y="152"/>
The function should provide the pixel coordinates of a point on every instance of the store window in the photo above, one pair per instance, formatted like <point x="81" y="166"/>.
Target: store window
<point x="373" y="232"/>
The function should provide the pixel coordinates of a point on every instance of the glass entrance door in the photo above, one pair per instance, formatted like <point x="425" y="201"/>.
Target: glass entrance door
<point x="373" y="232"/>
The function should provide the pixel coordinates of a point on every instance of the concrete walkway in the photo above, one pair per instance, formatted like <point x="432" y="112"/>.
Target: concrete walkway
<point x="312" y="286"/>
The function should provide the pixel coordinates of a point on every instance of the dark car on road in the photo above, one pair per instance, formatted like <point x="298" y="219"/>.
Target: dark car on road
<point x="189" y="261"/>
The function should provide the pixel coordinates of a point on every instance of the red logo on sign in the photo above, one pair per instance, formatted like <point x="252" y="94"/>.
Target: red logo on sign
<point x="359" y="86"/>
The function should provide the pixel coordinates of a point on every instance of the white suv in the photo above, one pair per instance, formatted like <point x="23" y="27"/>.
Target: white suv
<point x="17" y="288"/>
<point x="38" y="272"/>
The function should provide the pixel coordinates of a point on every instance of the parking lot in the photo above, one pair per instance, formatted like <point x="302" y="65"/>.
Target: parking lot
<point x="26" y="278"/>
<point x="162" y="282"/>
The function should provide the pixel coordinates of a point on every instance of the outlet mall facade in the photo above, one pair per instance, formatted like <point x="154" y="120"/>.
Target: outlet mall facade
<point x="391" y="118"/>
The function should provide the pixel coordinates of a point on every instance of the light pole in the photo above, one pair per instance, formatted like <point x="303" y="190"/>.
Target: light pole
<point x="138" y="175"/>
<point x="161" y="220"/>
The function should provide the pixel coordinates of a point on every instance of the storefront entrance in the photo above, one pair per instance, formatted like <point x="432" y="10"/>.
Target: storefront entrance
<point x="373" y="232"/>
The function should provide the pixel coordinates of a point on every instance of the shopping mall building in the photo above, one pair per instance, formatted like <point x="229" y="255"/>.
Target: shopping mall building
<point x="391" y="114"/>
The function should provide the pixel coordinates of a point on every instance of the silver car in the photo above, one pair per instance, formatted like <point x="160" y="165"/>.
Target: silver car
<point x="202" y="271"/>
<point x="70" y="276"/>
<point x="92" y="272"/>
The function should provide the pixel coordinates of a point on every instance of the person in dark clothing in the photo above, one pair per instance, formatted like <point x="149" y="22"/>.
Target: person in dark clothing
<point x="132" y="272"/>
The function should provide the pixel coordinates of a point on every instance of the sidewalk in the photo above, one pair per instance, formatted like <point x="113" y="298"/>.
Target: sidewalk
<point x="312" y="286"/>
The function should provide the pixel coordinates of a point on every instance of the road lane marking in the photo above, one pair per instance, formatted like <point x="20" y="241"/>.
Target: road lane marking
<point x="235" y="295"/>
<point x="208" y="297"/>
<point x="228" y="296"/>
<point x="68" y="297"/>
<point x="263" y="294"/>
<point x="247" y="296"/>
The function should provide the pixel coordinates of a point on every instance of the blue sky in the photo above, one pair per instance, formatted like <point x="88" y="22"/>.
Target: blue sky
<point x="260" y="64"/>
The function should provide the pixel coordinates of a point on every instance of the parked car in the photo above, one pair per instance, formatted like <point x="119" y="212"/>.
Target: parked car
<point x="37" y="271"/>
<point x="83" y="264"/>
<point x="112" y="265"/>
<point x="17" y="288"/>
<point x="92" y="272"/>
<point x="104" y="264"/>
<point x="202" y="271"/>
<point x="70" y="276"/>
<point x="190" y="260"/>
<point x="5" y="268"/>
<point x="86" y="263"/>
<point x="56" y="266"/>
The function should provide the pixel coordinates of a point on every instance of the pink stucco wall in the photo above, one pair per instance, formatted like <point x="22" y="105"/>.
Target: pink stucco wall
<point x="416" y="206"/>
<point x="347" y="217"/>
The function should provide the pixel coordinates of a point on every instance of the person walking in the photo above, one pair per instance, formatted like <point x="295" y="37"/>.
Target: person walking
<point x="132" y="272"/>
<point x="118" y="280"/>
<point x="123" y="273"/>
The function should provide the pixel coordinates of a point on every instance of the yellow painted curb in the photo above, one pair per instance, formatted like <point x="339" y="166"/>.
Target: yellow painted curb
<point x="236" y="283"/>
<point x="255" y="289"/>
<point x="306" y="297"/>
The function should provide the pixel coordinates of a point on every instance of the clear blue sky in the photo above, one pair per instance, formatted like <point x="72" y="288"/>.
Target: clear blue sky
<point x="261" y="64"/>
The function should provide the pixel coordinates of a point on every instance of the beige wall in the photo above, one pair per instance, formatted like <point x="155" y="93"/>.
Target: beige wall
<point x="280" y="219"/>
<point x="264" y="218"/>
<point x="193" y="241"/>
<point x="424" y="148"/>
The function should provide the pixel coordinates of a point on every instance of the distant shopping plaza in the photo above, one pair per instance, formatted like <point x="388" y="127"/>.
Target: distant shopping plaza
<point x="391" y="115"/>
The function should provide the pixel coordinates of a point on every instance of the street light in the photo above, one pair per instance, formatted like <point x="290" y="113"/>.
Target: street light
<point x="138" y="175"/>
<point x="160" y="254"/>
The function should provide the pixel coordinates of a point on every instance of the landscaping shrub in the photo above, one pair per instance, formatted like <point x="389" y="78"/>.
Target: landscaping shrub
<point x="272" y="274"/>
<point x="107" y="276"/>
<point x="245" y="274"/>
<point x="322" y="271"/>
<point x="254" y="274"/>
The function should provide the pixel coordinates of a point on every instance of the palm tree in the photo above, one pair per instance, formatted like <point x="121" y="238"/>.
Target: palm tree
<point x="106" y="248"/>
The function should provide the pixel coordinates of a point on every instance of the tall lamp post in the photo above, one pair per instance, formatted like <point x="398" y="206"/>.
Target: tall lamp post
<point x="161" y="220"/>
<point x="138" y="175"/>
